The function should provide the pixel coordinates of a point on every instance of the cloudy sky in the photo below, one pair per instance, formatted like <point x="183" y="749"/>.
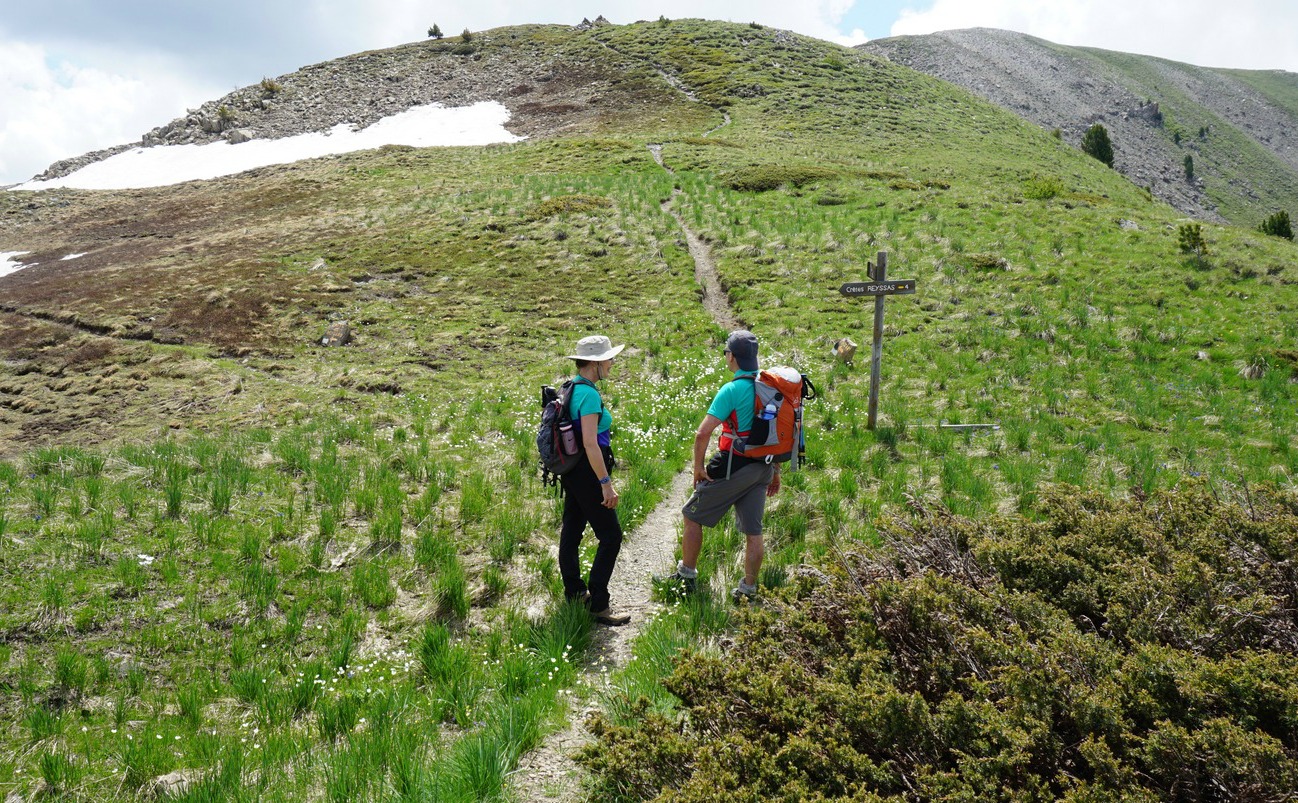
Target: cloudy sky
<point x="78" y="75"/>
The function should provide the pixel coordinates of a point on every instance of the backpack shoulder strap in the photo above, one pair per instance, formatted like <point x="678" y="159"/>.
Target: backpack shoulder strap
<point x="808" y="389"/>
<point x="581" y="380"/>
<point x="732" y="421"/>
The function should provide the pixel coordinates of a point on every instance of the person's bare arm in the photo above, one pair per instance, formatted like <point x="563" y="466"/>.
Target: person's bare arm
<point x="701" y="439"/>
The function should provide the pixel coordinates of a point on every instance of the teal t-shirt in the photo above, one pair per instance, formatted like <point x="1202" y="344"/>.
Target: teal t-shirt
<point x="586" y="401"/>
<point x="738" y="398"/>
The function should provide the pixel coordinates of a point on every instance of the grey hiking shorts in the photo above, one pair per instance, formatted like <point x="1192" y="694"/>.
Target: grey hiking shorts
<point x="745" y="491"/>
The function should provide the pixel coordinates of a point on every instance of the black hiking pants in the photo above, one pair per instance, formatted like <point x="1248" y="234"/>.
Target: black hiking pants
<point x="583" y="503"/>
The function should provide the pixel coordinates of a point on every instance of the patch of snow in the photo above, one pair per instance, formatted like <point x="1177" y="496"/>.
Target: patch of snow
<point x="72" y="256"/>
<point x="8" y="264"/>
<point x="160" y="166"/>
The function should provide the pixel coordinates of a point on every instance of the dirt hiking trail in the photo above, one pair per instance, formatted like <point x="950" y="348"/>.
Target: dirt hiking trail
<point x="549" y="772"/>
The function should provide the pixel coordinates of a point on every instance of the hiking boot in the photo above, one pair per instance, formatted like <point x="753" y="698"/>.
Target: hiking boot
<point x="582" y="599"/>
<point x="683" y="584"/>
<point x="743" y="591"/>
<point x="607" y="617"/>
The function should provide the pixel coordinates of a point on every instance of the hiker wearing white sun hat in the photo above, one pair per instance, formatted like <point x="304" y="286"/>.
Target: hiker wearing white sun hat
<point x="595" y="348"/>
<point x="588" y="493"/>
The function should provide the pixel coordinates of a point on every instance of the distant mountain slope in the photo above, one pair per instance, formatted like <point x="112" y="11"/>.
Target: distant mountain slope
<point x="1239" y="127"/>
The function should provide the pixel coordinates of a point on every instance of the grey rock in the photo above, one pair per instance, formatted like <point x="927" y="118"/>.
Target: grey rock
<point x="339" y="333"/>
<point x="172" y="784"/>
<point x="239" y="136"/>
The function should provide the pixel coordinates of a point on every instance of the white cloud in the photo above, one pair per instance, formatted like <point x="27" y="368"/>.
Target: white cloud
<point x="55" y="109"/>
<point x="1246" y="34"/>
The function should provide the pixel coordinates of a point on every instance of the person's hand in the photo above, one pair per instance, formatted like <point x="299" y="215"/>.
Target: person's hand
<point x="774" y="487"/>
<point x="701" y="475"/>
<point x="610" y="495"/>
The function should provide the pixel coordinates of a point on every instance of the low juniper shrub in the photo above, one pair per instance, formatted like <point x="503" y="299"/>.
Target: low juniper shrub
<point x="1099" y="650"/>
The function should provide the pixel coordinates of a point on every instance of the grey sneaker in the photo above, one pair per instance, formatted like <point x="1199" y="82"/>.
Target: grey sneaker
<point x="744" y="592"/>
<point x="686" y="585"/>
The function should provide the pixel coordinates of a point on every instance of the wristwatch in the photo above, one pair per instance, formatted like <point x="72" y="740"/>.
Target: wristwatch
<point x="607" y="479"/>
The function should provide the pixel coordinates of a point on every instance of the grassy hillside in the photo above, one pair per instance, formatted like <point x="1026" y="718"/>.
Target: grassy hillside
<point x="308" y="573"/>
<point x="1280" y="87"/>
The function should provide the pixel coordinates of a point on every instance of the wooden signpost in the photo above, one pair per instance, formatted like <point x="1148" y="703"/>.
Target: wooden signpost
<point x="879" y="286"/>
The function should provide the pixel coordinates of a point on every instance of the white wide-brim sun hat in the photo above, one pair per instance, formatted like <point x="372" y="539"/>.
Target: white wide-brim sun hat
<point x="595" y="348"/>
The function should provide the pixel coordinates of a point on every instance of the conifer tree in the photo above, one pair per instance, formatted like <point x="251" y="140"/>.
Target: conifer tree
<point x="1277" y="225"/>
<point x="1096" y="143"/>
<point x="435" y="32"/>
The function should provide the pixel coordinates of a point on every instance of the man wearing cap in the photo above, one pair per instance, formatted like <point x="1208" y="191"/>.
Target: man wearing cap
<point x="588" y="493"/>
<point x="728" y="480"/>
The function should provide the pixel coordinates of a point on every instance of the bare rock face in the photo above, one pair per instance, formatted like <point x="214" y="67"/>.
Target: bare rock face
<point x="339" y="333"/>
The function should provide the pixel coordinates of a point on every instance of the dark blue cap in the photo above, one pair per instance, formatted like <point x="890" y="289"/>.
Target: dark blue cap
<point x="743" y="344"/>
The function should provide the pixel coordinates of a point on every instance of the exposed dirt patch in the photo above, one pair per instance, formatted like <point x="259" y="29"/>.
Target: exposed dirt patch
<point x="714" y="297"/>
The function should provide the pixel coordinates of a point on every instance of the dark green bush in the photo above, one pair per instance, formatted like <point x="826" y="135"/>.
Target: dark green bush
<point x="571" y="204"/>
<point x="760" y="178"/>
<point x="986" y="262"/>
<point x="1043" y="188"/>
<point x="1189" y="237"/>
<point x="1277" y="225"/>
<point x="1096" y="143"/>
<point x="1135" y="650"/>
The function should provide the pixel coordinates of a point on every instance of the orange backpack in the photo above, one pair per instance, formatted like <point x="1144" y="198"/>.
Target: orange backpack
<point x="776" y="435"/>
